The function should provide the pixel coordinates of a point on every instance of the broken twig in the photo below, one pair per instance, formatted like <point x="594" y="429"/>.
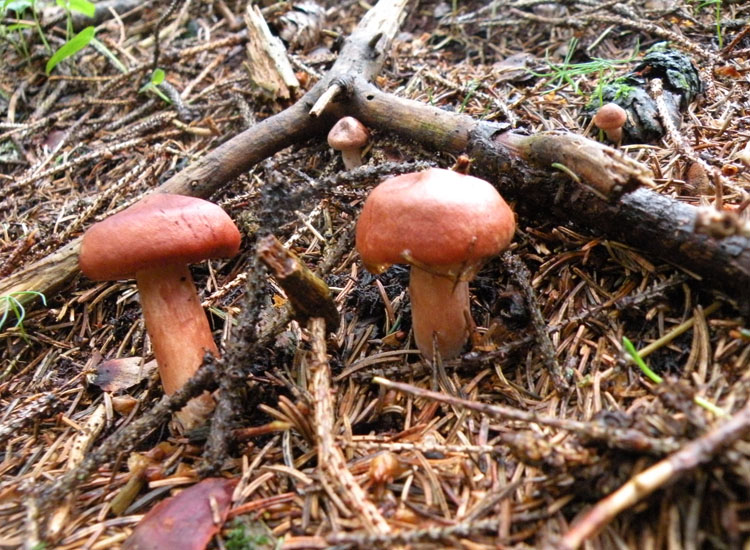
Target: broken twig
<point x="309" y="294"/>
<point x="669" y="470"/>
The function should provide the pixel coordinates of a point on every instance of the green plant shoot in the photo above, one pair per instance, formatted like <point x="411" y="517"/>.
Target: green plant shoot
<point x="79" y="6"/>
<point x="656" y="379"/>
<point x="71" y="47"/>
<point x="565" y="73"/>
<point x="20" y="7"/>
<point x="10" y="303"/>
<point x="157" y="77"/>
<point x="716" y="6"/>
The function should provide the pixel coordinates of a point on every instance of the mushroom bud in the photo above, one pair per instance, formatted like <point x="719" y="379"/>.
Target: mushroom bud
<point x="154" y="241"/>
<point x="610" y="118"/>
<point x="349" y="136"/>
<point x="445" y="225"/>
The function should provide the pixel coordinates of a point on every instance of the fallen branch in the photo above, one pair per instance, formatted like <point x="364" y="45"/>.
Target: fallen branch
<point x="521" y="276"/>
<point x="524" y="170"/>
<point x="669" y="470"/>
<point x="550" y="175"/>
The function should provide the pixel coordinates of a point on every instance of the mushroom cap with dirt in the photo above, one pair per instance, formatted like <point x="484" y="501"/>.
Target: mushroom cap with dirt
<point x="445" y="225"/>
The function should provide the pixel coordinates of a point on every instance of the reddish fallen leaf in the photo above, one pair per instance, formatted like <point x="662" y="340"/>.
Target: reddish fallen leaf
<point x="728" y="71"/>
<point x="185" y="521"/>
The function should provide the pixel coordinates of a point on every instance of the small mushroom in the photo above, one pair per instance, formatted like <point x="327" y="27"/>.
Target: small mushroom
<point x="154" y="241"/>
<point x="349" y="136"/>
<point x="445" y="225"/>
<point x="610" y="118"/>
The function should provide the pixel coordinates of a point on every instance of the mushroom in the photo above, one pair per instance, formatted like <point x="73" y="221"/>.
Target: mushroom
<point x="611" y="118"/>
<point x="445" y="225"/>
<point x="349" y="136"/>
<point x="154" y="241"/>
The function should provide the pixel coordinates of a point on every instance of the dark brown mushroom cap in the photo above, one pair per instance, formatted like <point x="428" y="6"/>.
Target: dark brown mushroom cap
<point x="438" y="217"/>
<point x="348" y="133"/>
<point x="161" y="229"/>
<point x="610" y="116"/>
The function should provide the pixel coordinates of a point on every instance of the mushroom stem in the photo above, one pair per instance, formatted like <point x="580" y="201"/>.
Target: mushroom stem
<point x="614" y="135"/>
<point x="440" y="306"/>
<point x="175" y="322"/>
<point x="179" y="331"/>
<point x="352" y="158"/>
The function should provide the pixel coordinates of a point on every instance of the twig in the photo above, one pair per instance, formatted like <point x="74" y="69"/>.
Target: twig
<point x="81" y="444"/>
<point x="618" y="438"/>
<point x="464" y="529"/>
<point x="235" y="395"/>
<point x="521" y="276"/>
<point x="18" y="251"/>
<point x="664" y="472"/>
<point x="325" y="98"/>
<point x="330" y="456"/>
<point x="736" y="40"/>
<point x="157" y="30"/>
<point x="308" y="293"/>
<point x="45" y="406"/>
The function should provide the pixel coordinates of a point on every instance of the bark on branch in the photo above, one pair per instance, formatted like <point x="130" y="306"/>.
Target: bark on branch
<point x="551" y="175"/>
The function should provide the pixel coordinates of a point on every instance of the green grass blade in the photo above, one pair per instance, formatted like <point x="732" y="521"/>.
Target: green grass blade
<point x="5" y="314"/>
<point x="10" y="303"/>
<point x="706" y="404"/>
<point x="20" y="312"/>
<point x="700" y="401"/>
<point x="71" y="47"/>
<point x="109" y="54"/>
<point x="630" y="348"/>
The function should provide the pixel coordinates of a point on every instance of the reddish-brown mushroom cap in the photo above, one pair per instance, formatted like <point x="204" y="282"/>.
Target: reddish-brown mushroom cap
<point x="444" y="224"/>
<point x="348" y="133"/>
<point x="349" y="136"/>
<point x="611" y="118"/>
<point x="437" y="217"/>
<point x="161" y="229"/>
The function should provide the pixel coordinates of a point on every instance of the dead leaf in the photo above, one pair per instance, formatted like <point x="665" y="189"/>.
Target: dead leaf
<point x="729" y="71"/>
<point x="185" y="521"/>
<point x="513" y="68"/>
<point x="119" y="374"/>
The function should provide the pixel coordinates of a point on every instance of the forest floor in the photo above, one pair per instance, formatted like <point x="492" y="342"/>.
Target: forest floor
<point x="94" y="136"/>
